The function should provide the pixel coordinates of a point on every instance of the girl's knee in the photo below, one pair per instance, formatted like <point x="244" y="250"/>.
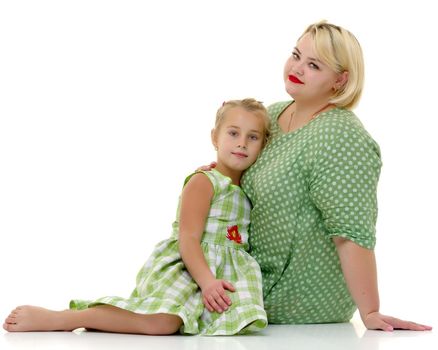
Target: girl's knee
<point x="162" y="324"/>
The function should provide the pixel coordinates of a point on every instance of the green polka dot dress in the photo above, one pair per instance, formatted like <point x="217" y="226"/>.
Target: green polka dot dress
<point x="307" y="186"/>
<point x="165" y="286"/>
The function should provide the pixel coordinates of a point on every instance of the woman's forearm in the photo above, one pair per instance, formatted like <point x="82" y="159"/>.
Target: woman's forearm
<point x="360" y="273"/>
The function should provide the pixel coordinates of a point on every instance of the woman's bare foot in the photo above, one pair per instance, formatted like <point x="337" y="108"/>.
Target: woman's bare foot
<point x="33" y="318"/>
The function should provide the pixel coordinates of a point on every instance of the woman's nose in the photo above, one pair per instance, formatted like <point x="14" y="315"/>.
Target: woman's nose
<point x="298" y="69"/>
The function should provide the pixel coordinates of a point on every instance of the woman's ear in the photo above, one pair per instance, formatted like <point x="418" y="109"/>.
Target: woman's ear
<point x="341" y="80"/>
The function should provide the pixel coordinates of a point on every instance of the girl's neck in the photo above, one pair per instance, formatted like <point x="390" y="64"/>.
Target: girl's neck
<point x="234" y="175"/>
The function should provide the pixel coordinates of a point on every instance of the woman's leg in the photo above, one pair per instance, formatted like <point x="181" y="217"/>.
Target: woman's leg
<point x="103" y="318"/>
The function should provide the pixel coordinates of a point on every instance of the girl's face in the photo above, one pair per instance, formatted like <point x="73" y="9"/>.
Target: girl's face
<point x="238" y="140"/>
<point x="306" y="77"/>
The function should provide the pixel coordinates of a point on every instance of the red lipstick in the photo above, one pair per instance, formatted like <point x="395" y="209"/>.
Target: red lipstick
<point x="295" y="80"/>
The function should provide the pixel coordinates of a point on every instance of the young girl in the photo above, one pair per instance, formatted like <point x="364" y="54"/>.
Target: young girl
<point x="201" y="280"/>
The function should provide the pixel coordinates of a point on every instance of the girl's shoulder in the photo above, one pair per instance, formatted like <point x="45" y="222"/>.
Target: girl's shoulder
<point x="218" y="181"/>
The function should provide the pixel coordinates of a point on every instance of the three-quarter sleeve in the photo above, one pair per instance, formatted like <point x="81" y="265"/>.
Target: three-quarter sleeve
<point x="343" y="185"/>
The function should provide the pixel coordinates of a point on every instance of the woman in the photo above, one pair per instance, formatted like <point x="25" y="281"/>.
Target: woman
<point x="313" y="191"/>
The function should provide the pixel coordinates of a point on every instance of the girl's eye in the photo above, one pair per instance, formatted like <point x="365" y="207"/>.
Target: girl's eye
<point x="232" y="133"/>
<point x="295" y="56"/>
<point x="253" y="137"/>
<point x="313" y="65"/>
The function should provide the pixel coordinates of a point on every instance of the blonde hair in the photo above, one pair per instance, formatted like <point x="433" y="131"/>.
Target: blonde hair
<point x="250" y="105"/>
<point x="339" y="49"/>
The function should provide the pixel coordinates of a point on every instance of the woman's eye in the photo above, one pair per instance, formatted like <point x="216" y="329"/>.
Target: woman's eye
<point x="295" y="56"/>
<point x="232" y="133"/>
<point x="313" y="65"/>
<point x="254" y="137"/>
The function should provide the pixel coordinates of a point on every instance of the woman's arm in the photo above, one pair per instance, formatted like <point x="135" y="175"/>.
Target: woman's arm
<point x="360" y="273"/>
<point x="195" y="207"/>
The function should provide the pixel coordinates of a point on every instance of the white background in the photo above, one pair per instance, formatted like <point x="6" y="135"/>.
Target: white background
<point x="105" y="106"/>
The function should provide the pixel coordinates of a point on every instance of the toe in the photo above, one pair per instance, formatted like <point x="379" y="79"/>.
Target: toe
<point x="11" y="319"/>
<point x="10" y="327"/>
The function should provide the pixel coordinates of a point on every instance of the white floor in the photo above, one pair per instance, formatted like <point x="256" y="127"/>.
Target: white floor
<point x="349" y="336"/>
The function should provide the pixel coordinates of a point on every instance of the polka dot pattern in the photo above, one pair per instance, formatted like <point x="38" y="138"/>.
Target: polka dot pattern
<point x="307" y="186"/>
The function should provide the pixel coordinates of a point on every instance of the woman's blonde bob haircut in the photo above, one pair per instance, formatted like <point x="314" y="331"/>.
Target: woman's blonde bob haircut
<point x="339" y="49"/>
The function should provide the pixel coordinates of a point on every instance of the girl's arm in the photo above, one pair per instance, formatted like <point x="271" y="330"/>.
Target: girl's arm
<point x="195" y="207"/>
<point x="360" y="273"/>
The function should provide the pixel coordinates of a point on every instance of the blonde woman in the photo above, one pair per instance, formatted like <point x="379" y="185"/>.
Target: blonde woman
<point x="314" y="191"/>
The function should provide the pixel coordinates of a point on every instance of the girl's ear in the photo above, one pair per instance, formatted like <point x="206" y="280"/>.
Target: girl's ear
<point x="213" y="138"/>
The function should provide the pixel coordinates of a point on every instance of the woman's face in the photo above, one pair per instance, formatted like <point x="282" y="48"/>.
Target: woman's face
<point x="306" y="77"/>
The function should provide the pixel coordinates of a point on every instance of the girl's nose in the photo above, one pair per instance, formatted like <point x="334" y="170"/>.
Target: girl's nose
<point x="242" y="143"/>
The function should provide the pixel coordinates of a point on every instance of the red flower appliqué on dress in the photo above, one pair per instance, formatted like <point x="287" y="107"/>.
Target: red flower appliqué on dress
<point x="233" y="234"/>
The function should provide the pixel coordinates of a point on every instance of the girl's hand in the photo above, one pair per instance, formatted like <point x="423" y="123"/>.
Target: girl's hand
<point x="214" y="296"/>
<point x="376" y="320"/>
<point x="207" y="167"/>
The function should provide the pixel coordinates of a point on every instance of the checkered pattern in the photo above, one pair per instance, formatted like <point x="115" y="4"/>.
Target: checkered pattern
<point x="165" y="286"/>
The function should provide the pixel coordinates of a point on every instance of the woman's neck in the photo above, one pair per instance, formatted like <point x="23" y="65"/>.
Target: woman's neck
<point x="309" y="109"/>
<point x="300" y="113"/>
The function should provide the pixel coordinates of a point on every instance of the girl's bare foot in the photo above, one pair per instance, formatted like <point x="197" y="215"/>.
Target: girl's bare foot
<point x="33" y="318"/>
<point x="105" y="318"/>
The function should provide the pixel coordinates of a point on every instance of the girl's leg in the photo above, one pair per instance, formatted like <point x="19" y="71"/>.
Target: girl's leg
<point x="103" y="318"/>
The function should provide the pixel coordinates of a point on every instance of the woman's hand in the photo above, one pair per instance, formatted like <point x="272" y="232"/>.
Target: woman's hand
<point x="375" y="320"/>
<point x="207" y="167"/>
<point x="214" y="296"/>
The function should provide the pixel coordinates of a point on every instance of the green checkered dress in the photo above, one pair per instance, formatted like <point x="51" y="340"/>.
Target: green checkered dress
<point x="165" y="286"/>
